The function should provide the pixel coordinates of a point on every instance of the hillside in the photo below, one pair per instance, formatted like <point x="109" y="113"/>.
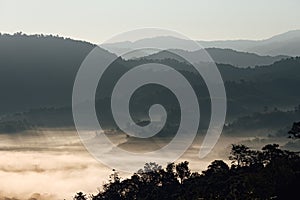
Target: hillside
<point x="287" y="43"/>
<point x="224" y="56"/>
<point x="36" y="85"/>
<point x="248" y="91"/>
<point x="38" y="70"/>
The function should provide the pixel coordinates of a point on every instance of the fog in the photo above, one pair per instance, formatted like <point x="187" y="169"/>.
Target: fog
<point x="53" y="164"/>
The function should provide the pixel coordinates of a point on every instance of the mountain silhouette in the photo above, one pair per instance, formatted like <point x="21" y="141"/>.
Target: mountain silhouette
<point x="39" y="70"/>
<point x="37" y="75"/>
<point x="283" y="44"/>
<point x="224" y="56"/>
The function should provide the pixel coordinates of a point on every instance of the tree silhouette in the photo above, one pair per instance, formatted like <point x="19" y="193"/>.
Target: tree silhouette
<point x="216" y="167"/>
<point x="183" y="171"/>
<point x="272" y="152"/>
<point x="271" y="173"/>
<point x="80" y="196"/>
<point x="295" y="131"/>
<point x="240" y="155"/>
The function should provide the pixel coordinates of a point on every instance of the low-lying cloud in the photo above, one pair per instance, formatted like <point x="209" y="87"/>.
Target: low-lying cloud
<point x="55" y="165"/>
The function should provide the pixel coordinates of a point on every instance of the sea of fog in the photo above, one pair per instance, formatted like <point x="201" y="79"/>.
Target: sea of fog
<point x="54" y="164"/>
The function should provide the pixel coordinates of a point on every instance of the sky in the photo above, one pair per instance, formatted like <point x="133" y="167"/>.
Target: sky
<point x="98" y="20"/>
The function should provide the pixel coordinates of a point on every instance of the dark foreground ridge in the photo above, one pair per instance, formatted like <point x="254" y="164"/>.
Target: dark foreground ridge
<point x="270" y="173"/>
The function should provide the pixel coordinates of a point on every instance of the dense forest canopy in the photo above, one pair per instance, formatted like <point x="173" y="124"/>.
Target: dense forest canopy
<point x="43" y="77"/>
<point x="269" y="173"/>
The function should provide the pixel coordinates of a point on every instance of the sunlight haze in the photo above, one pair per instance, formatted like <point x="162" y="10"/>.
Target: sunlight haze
<point x="96" y="21"/>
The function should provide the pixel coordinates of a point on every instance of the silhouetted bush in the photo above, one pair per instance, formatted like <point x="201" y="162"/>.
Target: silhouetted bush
<point x="271" y="173"/>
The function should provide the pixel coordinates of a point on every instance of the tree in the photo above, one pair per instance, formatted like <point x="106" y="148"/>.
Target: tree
<point x="295" y="131"/>
<point x="80" y="196"/>
<point x="150" y="175"/>
<point x="279" y="178"/>
<point x="271" y="152"/>
<point x="111" y="190"/>
<point x="169" y="176"/>
<point x="240" y="155"/>
<point x="216" y="167"/>
<point x="150" y="167"/>
<point x="183" y="171"/>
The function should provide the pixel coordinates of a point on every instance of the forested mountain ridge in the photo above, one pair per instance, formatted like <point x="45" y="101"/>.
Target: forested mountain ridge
<point x="287" y="43"/>
<point x="218" y="55"/>
<point x="38" y="70"/>
<point x="37" y="85"/>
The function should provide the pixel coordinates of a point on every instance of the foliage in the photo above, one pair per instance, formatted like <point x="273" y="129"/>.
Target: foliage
<point x="295" y="131"/>
<point x="80" y="196"/>
<point x="271" y="173"/>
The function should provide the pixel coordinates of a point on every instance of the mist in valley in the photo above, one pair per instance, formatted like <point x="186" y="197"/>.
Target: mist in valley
<point x="54" y="164"/>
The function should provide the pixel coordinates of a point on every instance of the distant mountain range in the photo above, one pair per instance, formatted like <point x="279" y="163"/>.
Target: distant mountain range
<point x="265" y="89"/>
<point x="39" y="71"/>
<point x="283" y="44"/>
<point x="224" y="56"/>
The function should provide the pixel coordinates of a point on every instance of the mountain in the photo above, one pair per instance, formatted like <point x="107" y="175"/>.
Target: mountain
<point x="283" y="44"/>
<point x="39" y="70"/>
<point x="161" y="42"/>
<point x="224" y="56"/>
<point x="272" y="121"/>
<point x="248" y="90"/>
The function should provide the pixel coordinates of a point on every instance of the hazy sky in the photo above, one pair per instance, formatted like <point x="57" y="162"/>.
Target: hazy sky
<point x="97" y="20"/>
